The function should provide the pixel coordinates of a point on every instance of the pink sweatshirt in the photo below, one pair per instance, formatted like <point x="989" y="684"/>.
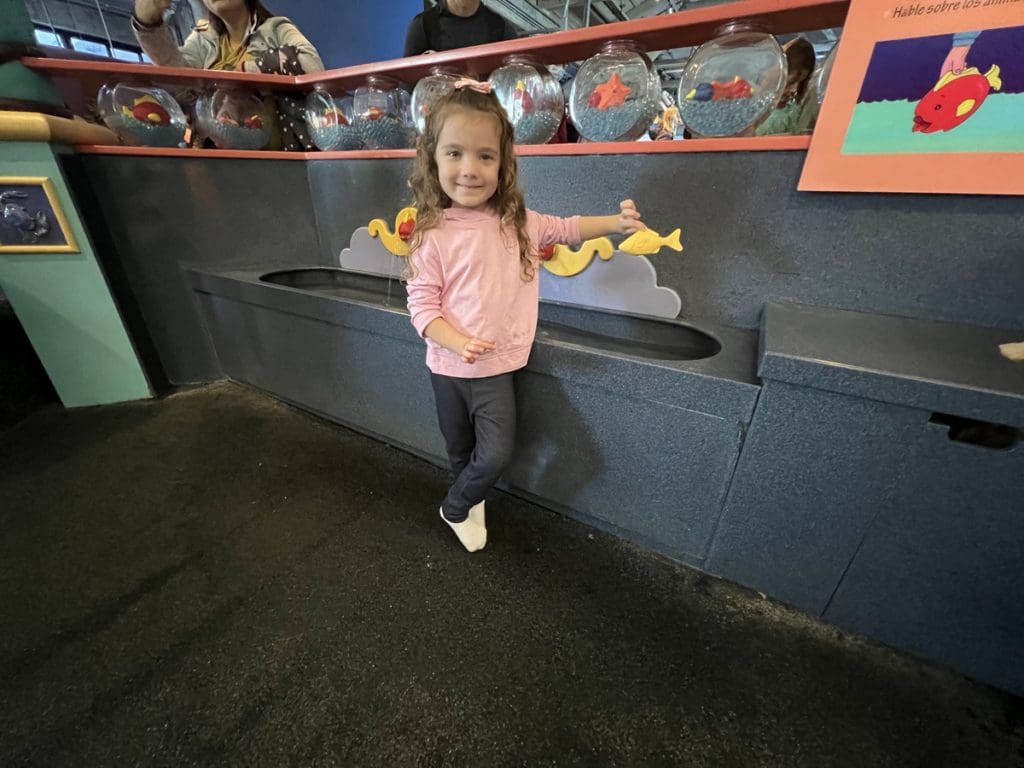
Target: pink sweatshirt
<point x="469" y="273"/>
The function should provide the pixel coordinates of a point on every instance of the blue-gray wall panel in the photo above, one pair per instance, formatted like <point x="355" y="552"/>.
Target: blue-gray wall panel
<point x="644" y="466"/>
<point x="749" y="236"/>
<point x="815" y="468"/>
<point x="941" y="572"/>
<point x="162" y="213"/>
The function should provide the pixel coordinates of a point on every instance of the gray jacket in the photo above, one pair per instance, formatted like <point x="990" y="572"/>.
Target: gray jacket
<point x="201" y="48"/>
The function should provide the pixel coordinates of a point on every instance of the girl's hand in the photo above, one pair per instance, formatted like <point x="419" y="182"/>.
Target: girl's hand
<point x="473" y="348"/>
<point x="629" y="218"/>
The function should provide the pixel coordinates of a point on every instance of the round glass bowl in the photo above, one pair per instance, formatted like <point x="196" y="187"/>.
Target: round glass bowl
<point x="382" y="112"/>
<point x="330" y="122"/>
<point x="732" y="82"/>
<point x="614" y="95"/>
<point x="148" y="117"/>
<point x="234" y="119"/>
<point x="531" y="97"/>
<point x="440" y="82"/>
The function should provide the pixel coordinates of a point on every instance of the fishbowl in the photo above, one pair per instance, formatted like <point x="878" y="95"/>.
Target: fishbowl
<point x="382" y="112"/>
<point x="234" y="118"/>
<point x="531" y="96"/>
<point x="614" y="95"/>
<point x="142" y="116"/>
<point x="440" y="82"/>
<point x="330" y="121"/>
<point x="732" y="82"/>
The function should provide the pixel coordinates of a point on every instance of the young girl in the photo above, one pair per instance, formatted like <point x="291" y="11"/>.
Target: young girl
<point x="474" y="287"/>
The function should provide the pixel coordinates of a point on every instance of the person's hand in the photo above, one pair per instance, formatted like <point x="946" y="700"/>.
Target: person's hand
<point x="151" y="12"/>
<point x="956" y="60"/>
<point x="473" y="348"/>
<point x="629" y="218"/>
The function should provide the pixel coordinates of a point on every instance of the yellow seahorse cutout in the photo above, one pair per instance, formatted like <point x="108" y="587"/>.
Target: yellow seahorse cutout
<point x="567" y="262"/>
<point x="396" y="242"/>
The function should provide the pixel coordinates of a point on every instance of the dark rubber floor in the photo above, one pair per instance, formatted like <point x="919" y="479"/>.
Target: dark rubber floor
<point x="24" y="386"/>
<point x="217" y="579"/>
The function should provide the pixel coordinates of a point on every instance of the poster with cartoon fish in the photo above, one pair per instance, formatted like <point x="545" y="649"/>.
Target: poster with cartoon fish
<point x="924" y="97"/>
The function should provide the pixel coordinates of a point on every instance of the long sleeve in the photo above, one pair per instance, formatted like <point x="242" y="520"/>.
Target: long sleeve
<point x="424" y="289"/>
<point x="309" y="58"/>
<point x="159" y="44"/>
<point x="548" y="230"/>
<point x="961" y="39"/>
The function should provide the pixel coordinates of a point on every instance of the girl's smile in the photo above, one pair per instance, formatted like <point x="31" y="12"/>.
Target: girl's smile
<point x="469" y="158"/>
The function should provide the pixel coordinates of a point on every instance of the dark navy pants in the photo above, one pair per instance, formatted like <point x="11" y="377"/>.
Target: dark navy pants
<point x="478" y="421"/>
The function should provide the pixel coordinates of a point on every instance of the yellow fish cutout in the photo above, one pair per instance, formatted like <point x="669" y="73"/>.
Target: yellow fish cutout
<point x="567" y="262"/>
<point x="647" y="241"/>
<point x="396" y="242"/>
<point x="992" y="76"/>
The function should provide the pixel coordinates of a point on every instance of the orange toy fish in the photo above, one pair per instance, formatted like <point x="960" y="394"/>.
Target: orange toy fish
<point x="954" y="99"/>
<point x="148" y="110"/>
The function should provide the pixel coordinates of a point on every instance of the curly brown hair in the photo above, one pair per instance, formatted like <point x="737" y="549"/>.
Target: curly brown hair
<point x="430" y="200"/>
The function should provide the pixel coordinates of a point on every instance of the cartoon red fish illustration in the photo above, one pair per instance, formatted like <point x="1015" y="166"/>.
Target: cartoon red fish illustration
<point x="954" y="99"/>
<point x="148" y="110"/>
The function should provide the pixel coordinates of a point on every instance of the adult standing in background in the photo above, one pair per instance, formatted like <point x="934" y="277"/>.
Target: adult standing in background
<point x="240" y="35"/>
<point x="455" y="24"/>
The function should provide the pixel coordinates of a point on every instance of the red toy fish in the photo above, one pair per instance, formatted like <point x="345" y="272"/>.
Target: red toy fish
<point x="334" y="116"/>
<point x="148" y="110"/>
<point x="522" y="96"/>
<point x="954" y="99"/>
<point x="737" y="88"/>
<point x="405" y="230"/>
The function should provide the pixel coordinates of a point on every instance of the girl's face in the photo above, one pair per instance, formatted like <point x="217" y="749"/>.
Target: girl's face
<point x="468" y="158"/>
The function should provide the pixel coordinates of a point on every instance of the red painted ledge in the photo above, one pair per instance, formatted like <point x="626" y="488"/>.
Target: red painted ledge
<point x="759" y="144"/>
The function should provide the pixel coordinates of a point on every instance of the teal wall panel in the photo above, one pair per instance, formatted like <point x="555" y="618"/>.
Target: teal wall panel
<point x="65" y="305"/>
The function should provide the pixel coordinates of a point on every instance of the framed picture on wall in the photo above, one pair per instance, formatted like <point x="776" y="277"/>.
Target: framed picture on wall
<point x="31" y="219"/>
<point x="924" y="96"/>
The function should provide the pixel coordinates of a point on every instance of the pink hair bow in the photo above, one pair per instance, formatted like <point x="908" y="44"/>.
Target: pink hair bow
<point x="473" y="85"/>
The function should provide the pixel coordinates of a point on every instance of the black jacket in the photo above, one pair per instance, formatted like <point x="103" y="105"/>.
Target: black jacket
<point x="438" y="29"/>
